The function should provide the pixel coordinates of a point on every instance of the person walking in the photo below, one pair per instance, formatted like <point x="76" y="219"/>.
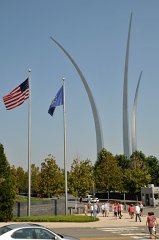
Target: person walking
<point x="106" y="206"/>
<point x="85" y="209"/>
<point x="103" y="209"/>
<point x="141" y="208"/>
<point x="119" y="210"/>
<point x="113" y="207"/>
<point x="115" y="212"/>
<point x="137" y="213"/>
<point x="95" y="208"/>
<point x="91" y="210"/>
<point x="131" y="211"/>
<point x="151" y="223"/>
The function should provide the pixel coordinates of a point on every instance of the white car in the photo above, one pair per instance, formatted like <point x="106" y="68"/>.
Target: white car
<point x="94" y="200"/>
<point x="30" y="231"/>
<point x="89" y="198"/>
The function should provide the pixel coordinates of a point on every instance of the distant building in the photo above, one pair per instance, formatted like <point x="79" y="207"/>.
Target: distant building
<point x="150" y="195"/>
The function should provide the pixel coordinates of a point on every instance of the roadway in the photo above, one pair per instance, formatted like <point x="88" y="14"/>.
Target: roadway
<point x="109" y="228"/>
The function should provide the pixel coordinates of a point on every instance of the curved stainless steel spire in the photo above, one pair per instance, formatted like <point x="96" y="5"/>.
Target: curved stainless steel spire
<point x="134" y="137"/>
<point x="99" y="135"/>
<point x="126" y="137"/>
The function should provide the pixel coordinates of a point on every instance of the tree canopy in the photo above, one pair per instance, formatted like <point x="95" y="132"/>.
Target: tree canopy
<point x="107" y="172"/>
<point x="51" y="178"/>
<point x="7" y="188"/>
<point x="81" y="177"/>
<point x="137" y="175"/>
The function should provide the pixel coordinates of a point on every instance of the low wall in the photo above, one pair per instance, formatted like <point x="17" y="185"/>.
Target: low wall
<point x="40" y="208"/>
<point x="50" y="207"/>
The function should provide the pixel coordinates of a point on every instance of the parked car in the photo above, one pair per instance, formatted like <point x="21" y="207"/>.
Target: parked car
<point x="89" y="198"/>
<point x="30" y="231"/>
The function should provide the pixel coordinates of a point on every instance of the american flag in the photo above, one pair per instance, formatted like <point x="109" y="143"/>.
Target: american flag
<point x="17" y="96"/>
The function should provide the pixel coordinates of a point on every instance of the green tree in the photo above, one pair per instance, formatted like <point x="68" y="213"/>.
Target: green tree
<point x="137" y="157"/>
<point x="137" y="175"/>
<point x="153" y="165"/>
<point x="7" y="190"/>
<point x="107" y="172"/>
<point x="123" y="161"/>
<point x="14" y="177"/>
<point x="51" y="177"/>
<point x="35" y="178"/>
<point x="22" y="184"/>
<point x="80" y="178"/>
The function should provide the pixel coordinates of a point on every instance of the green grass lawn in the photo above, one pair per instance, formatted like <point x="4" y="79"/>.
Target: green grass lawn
<point x="65" y="218"/>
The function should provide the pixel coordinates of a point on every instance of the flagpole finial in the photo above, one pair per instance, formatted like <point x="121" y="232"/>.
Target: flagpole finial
<point x="29" y="70"/>
<point x="63" y="79"/>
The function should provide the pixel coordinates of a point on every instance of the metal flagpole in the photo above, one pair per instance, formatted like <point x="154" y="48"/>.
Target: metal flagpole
<point x="65" y="167"/>
<point x="29" y="143"/>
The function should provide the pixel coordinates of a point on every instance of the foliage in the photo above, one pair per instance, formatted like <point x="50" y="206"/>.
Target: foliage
<point x="51" y="177"/>
<point x="153" y="166"/>
<point x="137" y="160"/>
<point x="20" y="198"/>
<point x="116" y="173"/>
<point x="65" y="218"/>
<point x="22" y="183"/>
<point x="107" y="172"/>
<point x="123" y="161"/>
<point x="137" y="175"/>
<point x="80" y="177"/>
<point x="7" y="188"/>
<point x="13" y="172"/>
<point x="35" y="178"/>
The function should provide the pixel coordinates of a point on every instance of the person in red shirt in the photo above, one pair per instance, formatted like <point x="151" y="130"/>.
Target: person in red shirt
<point x="119" y="210"/>
<point x="151" y="222"/>
<point x="131" y="211"/>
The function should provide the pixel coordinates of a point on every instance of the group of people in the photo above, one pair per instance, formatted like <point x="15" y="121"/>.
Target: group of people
<point x="151" y="221"/>
<point x="135" y="211"/>
<point x="104" y="208"/>
<point x="117" y="209"/>
<point x="92" y="208"/>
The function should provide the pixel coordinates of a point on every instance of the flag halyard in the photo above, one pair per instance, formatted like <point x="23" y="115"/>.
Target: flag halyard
<point x="57" y="101"/>
<point x="17" y="96"/>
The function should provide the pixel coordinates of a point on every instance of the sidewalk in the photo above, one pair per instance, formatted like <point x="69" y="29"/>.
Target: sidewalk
<point x="103" y="222"/>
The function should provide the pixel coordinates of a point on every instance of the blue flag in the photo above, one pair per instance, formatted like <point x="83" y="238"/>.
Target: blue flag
<point x="57" y="101"/>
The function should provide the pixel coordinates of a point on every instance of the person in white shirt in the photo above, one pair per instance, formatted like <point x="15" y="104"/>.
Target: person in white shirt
<point x="106" y="206"/>
<point x="91" y="210"/>
<point x="103" y="209"/>
<point x="95" y="207"/>
<point x="137" y="212"/>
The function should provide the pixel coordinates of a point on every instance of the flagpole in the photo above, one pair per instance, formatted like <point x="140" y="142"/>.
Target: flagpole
<point x="65" y="165"/>
<point x="29" y="144"/>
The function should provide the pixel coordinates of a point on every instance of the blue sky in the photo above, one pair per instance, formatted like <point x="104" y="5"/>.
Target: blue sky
<point x="94" y="32"/>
